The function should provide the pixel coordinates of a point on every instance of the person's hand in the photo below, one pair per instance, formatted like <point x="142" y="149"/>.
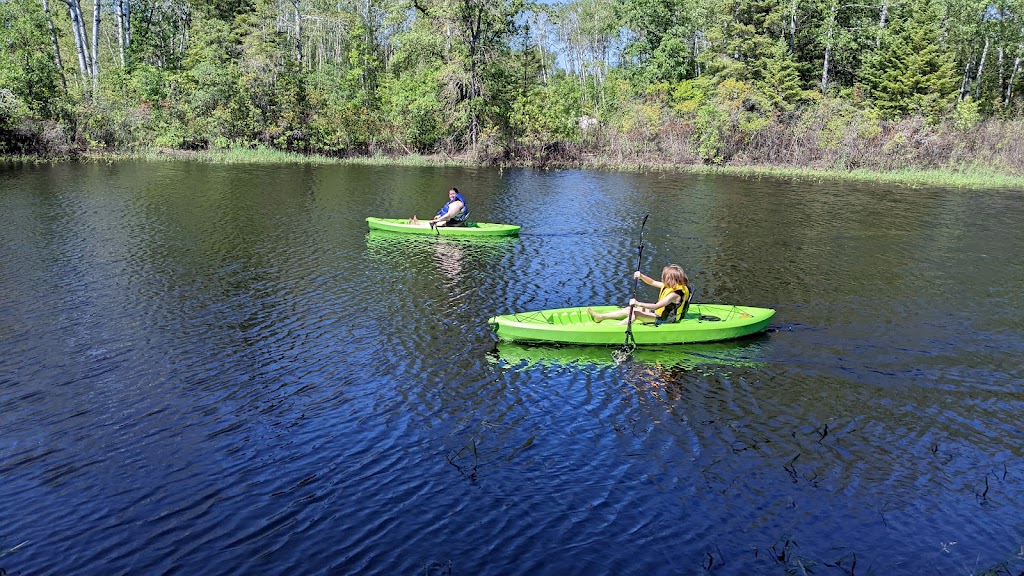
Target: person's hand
<point x="637" y="274"/>
<point x="632" y="301"/>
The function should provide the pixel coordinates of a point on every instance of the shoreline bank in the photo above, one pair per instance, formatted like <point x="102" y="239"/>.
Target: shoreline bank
<point x="968" y="178"/>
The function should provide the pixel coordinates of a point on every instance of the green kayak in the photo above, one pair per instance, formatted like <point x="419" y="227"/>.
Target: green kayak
<point x="702" y="323"/>
<point x="423" y="227"/>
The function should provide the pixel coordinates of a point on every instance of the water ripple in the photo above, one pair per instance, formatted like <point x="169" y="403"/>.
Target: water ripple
<point x="219" y="370"/>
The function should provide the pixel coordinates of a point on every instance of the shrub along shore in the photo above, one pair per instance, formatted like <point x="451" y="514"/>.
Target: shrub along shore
<point x="930" y="91"/>
<point x="966" y="178"/>
<point x="829" y="140"/>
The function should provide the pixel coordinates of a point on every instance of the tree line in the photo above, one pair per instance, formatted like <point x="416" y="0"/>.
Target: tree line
<point x="840" y="83"/>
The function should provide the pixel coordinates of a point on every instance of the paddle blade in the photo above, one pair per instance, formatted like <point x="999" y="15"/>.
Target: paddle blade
<point x="623" y="354"/>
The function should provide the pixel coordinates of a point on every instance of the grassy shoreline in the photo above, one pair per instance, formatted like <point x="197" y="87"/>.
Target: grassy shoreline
<point x="967" y="178"/>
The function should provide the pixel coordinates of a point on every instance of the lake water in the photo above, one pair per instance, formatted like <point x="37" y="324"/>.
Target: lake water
<point x="218" y="370"/>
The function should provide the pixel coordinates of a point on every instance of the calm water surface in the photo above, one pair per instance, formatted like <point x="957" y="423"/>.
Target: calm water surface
<point x="218" y="370"/>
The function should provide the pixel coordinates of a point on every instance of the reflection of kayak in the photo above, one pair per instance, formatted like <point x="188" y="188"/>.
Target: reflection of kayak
<point x="423" y="227"/>
<point x="702" y="323"/>
<point x="689" y="356"/>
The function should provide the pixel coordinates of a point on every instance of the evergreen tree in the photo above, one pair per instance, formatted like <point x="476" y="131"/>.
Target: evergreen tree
<point x="753" y="58"/>
<point x="911" y="72"/>
<point x="780" y="81"/>
<point x="747" y="36"/>
<point x="225" y="9"/>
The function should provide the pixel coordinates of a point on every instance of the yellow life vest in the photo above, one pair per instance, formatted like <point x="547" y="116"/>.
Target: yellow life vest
<point x="674" y="311"/>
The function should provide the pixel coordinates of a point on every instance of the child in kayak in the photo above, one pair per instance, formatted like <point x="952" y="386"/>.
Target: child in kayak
<point x="673" y="299"/>
<point x="454" y="213"/>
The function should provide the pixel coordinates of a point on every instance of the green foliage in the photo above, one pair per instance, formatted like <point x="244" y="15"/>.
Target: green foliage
<point x="200" y="103"/>
<point x="780" y="81"/>
<point x="157" y="37"/>
<point x="421" y="90"/>
<point x="13" y="110"/>
<point x="449" y="74"/>
<point x="413" y="109"/>
<point x="549" y="114"/>
<point x="748" y="33"/>
<point x="225" y="10"/>
<point x="834" y="123"/>
<point x="988" y="39"/>
<point x="269" y="102"/>
<point x="845" y="30"/>
<point x="341" y="118"/>
<point x="966" y="114"/>
<point x="912" y="73"/>
<point x="689" y="95"/>
<point x="710" y="127"/>
<point x="662" y="36"/>
<point x="670" y="60"/>
<point x="27" y="66"/>
<point x="238" y="85"/>
<point x="147" y="84"/>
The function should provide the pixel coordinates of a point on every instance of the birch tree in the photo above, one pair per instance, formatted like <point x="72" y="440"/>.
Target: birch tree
<point x="1015" y="70"/>
<point x="58" y="61"/>
<point x="837" y="36"/>
<point x="122" y="10"/>
<point x="159" y="34"/>
<point x="589" y="30"/>
<point x="78" y="34"/>
<point x="95" y="60"/>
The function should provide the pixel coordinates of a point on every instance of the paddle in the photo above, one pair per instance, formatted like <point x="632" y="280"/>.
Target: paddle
<point x="627" y="348"/>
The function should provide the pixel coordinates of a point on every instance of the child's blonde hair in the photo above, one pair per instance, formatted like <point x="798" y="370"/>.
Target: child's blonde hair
<point x="673" y="275"/>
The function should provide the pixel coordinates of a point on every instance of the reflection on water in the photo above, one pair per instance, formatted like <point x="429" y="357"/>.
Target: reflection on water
<point x="448" y="258"/>
<point x="439" y="258"/>
<point x="743" y="353"/>
<point x="219" y="370"/>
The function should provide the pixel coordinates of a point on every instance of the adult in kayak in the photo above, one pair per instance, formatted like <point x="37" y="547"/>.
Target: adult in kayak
<point x="673" y="299"/>
<point x="454" y="213"/>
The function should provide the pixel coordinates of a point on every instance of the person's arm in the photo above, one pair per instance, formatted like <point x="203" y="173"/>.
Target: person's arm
<point x="648" y="280"/>
<point x="453" y="209"/>
<point x="672" y="297"/>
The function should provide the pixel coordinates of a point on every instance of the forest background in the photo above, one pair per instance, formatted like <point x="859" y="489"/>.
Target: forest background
<point x="881" y="85"/>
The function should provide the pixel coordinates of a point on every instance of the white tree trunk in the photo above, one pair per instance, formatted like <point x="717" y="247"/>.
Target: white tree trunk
<point x="56" y="45"/>
<point x="999" y="65"/>
<point x="883" y="17"/>
<point x="126" y="10"/>
<point x="78" y="33"/>
<point x="121" y="8"/>
<point x="298" y="32"/>
<point x="1013" y="73"/>
<point x="832" y="15"/>
<point x="981" y="67"/>
<point x="965" y="81"/>
<point x="792" y="25"/>
<point x="698" y="41"/>
<point x="95" y="40"/>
